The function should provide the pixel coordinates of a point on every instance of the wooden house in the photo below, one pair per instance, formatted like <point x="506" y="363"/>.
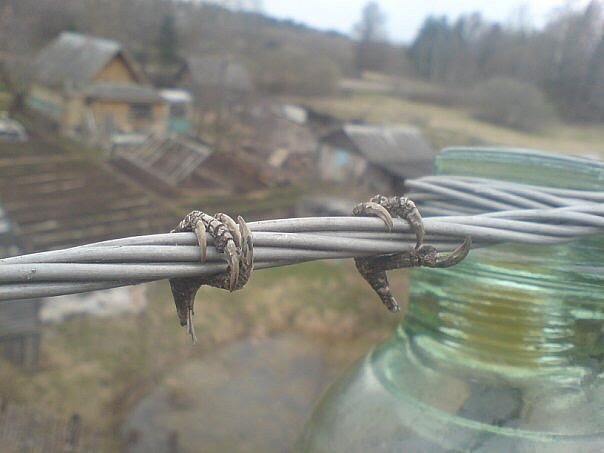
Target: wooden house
<point x="90" y="87"/>
<point x="373" y="158"/>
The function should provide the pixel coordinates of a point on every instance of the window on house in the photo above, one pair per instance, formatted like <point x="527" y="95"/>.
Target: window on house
<point x="140" y="111"/>
<point x="178" y="110"/>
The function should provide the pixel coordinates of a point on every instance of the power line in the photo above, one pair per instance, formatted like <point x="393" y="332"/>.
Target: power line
<point x="491" y="212"/>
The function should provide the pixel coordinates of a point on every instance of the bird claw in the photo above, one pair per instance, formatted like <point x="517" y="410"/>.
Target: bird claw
<point x="200" y="233"/>
<point x="417" y="225"/>
<point x="428" y="256"/>
<point x="231" y="225"/>
<point x="373" y="269"/>
<point x="233" y="262"/>
<point x="387" y="207"/>
<point x="247" y="246"/>
<point x="232" y="239"/>
<point x="373" y="208"/>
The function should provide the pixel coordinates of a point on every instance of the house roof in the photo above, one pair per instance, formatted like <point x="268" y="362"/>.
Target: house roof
<point x="130" y="92"/>
<point x="219" y="71"/>
<point x="74" y="59"/>
<point x="170" y="160"/>
<point x="396" y="149"/>
<point x="176" y="96"/>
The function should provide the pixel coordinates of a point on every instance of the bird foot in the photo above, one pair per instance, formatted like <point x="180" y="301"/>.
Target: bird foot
<point x="232" y="239"/>
<point x="373" y="269"/>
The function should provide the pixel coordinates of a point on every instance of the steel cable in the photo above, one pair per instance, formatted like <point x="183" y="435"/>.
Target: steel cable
<point x="491" y="212"/>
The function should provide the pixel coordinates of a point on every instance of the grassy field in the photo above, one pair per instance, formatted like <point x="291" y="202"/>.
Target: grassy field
<point x="100" y="367"/>
<point x="453" y="126"/>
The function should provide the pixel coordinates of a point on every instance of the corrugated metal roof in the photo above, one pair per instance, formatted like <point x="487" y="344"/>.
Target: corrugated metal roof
<point x="398" y="150"/>
<point x="122" y="91"/>
<point x="219" y="71"/>
<point x="73" y="58"/>
<point x="386" y="144"/>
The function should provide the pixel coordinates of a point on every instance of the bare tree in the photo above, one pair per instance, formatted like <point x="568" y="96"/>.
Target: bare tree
<point x="577" y="35"/>
<point x="371" y="35"/>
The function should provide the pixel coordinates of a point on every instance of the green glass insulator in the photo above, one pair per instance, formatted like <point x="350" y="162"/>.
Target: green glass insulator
<point x="503" y="352"/>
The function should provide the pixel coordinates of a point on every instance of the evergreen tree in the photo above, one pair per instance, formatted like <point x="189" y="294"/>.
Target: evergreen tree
<point x="167" y="40"/>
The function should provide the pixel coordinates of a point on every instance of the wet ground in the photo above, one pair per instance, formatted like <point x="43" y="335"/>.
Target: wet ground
<point x="250" y="396"/>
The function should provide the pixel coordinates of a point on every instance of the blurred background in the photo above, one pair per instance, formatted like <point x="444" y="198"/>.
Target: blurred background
<point x="120" y="116"/>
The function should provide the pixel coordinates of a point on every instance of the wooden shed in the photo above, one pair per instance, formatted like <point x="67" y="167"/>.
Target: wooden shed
<point x="373" y="158"/>
<point x="90" y="87"/>
<point x="168" y="164"/>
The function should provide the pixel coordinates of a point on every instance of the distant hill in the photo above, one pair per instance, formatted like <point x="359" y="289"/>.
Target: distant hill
<point x="154" y="29"/>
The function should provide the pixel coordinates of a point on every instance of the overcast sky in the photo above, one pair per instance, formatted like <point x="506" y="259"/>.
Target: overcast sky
<point x="404" y="16"/>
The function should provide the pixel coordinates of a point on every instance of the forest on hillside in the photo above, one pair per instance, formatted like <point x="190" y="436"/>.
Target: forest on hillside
<point x="560" y="65"/>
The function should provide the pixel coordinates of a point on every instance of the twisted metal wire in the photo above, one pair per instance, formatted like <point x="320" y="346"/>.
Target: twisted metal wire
<point x="491" y="212"/>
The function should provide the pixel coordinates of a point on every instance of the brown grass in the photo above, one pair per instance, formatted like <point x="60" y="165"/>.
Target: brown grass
<point x="99" y="368"/>
<point x="455" y="126"/>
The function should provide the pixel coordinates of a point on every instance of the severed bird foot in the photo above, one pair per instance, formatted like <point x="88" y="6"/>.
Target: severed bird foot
<point x="232" y="239"/>
<point x="373" y="269"/>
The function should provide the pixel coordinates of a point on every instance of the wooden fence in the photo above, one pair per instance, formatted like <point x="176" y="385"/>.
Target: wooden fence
<point x="34" y="430"/>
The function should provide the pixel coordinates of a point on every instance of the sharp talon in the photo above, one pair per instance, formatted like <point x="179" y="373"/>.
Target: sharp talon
<point x="246" y="242"/>
<point x="417" y="225"/>
<point x="457" y="255"/>
<point x="233" y="261"/>
<point x="246" y="233"/>
<point x="378" y="210"/>
<point x="200" y="232"/>
<point x="428" y="256"/>
<point x="231" y="226"/>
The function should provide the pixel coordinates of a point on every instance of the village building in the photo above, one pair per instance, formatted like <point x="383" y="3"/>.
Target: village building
<point x="279" y="136"/>
<point x="180" y="165"/>
<point x="373" y="158"/>
<point x="91" y="88"/>
<point x="180" y="113"/>
<point x="168" y="164"/>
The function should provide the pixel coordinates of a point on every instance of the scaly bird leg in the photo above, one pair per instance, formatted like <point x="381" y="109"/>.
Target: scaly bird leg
<point x="243" y="239"/>
<point x="234" y="240"/>
<point x="373" y="269"/>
